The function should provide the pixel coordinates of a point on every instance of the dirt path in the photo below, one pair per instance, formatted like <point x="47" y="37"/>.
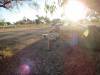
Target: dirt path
<point x="78" y="59"/>
<point x="79" y="62"/>
<point x="61" y="59"/>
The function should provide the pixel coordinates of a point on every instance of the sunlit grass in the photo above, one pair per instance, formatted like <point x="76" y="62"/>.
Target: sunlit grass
<point x="23" y="27"/>
<point x="32" y="25"/>
<point x="7" y="52"/>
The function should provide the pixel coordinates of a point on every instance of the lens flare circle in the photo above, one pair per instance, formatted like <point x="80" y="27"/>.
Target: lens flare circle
<point x="24" y="69"/>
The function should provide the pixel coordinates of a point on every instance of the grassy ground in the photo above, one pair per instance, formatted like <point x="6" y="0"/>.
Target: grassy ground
<point x="23" y="27"/>
<point x="18" y="39"/>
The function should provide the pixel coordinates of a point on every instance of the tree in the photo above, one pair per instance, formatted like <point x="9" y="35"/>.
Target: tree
<point x="49" y="8"/>
<point x="36" y="5"/>
<point x="93" y="4"/>
<point x="93" y="16"/>
<point x="10" y="3"/>
<point x="2" y="22"/>
<point x="5" y="3"/>
<point x="93" y="13"/>
<point x="8" y="23"/>
<point x="52" y="8"/>
<point x="42" y="19"/>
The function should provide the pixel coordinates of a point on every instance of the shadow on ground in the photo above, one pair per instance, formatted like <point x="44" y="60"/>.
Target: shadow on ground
<point x="60" y="59"/>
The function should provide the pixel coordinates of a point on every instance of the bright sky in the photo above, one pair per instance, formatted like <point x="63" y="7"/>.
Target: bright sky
<point x="26" y="10"/>
<point x="74" y="11"/>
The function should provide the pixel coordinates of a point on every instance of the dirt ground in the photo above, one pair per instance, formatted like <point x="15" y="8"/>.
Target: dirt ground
<point x="64" y="57"/>
<point x="60" y="59"/>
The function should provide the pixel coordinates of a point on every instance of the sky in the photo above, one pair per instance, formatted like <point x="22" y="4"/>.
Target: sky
<point x="74" y="10"/>
<point x="27" y="10"/>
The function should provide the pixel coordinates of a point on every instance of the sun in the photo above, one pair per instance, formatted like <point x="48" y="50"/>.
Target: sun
<point x="75" y="10"/>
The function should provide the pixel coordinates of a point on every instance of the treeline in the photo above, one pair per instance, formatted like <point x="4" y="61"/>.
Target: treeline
<point x="25" y="21"/>
<point x="39" y="20"/>
<point x="2" y="23"/>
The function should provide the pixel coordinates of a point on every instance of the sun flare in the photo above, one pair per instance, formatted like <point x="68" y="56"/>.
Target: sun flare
<point x="75" y="10"/>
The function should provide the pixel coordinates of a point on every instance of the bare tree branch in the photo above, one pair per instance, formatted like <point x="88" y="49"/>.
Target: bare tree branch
<point x="4" y="3"/>
<point x="1" y="6"/>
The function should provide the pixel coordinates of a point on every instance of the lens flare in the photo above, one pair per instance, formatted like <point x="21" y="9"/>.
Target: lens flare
<point x="24" y="69"/>
<point x="75" y="10"/>
<point x="86" y="33"/>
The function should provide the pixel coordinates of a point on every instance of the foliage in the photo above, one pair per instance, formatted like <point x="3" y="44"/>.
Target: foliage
<point x="2" y="23"/>
<point x="8" y="23"/>
<point x="93" y="16"/>
<point x="93" y="4"/>
<point x="43" y="19"/>
<point x="49" y="8"/>
<point x="37" y="21"/>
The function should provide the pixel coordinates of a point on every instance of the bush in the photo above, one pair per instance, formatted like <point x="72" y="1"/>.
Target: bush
<point x="1" y="23"/>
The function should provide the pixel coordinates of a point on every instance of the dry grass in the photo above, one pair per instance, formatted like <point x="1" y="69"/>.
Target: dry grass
<point x="6" y="53"/>
<point x="23" y="27"/>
